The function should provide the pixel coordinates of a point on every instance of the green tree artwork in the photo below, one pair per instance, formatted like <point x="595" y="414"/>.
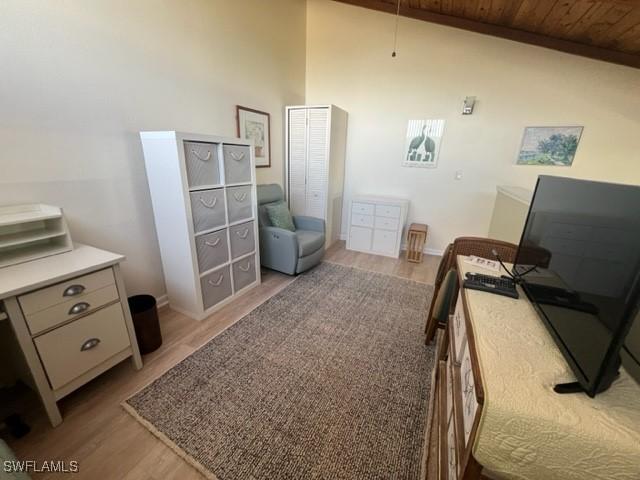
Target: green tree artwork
<point x="549" y="146"/>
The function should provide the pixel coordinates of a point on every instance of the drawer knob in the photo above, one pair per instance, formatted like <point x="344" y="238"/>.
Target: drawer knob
<point x="237" y="156"/>
<point x="244" y="234"/>
<point x="207" y="204"/>
<point x="73" y="290"/>
<point x="212" y="244"/>
<point x="245" y="269"/>
<point x="202" y="159"/>
<point x="240" y="198"/>
<point x="89" y="344"/>
<point x="218" y="282"/>
<point x="79" y="308"/>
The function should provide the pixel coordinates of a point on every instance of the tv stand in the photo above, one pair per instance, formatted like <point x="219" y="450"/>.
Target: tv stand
<point x="495" y="411"/>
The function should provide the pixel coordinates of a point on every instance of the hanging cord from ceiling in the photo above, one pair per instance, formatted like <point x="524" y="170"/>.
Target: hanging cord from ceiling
<point x="395" y="34"/>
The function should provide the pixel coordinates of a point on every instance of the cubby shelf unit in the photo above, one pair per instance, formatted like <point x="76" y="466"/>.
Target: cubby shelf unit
<point x="203" y="191"/>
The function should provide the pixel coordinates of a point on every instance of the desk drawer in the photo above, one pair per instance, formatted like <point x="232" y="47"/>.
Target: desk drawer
<point x="452" y="454"/>
<point x="390" y="211"/>
<point x="468" y="389"/>
<point x="387" y="223"/>
<point x="69" y="351"/>
<point x="66" y="291"/>
<point x="458" y="329"/>
<point x="362" y="208"/>
<point x="362" y="220"/>
<point x="75" y="307"/>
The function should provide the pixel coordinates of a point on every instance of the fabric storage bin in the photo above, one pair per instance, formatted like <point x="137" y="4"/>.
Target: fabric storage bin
<point x="239" y="203"/>
<point x="212" y="249"/>
<point x="202" y="163"/>
<point x="208" y="209"/>
<point x="216" y="286"/>
<point x="237" y="164"/>
<point x="244" y="272"/>
<point x="242" y="239"/>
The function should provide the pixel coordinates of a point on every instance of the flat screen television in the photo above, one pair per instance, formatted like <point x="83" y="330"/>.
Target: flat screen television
<point x="579" y="264"/>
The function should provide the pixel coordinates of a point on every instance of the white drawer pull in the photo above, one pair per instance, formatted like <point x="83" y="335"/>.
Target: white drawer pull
<point x="73" y="290"/>
<point x="209" y="205"/>
<point x="237" y="156"/>
<point x="241" y="197"/>
<point x="79" y="308"/>
<point x="245" y="269"/>
<point x="202" y="159"/>
<point x="244" y="234"/>
<point x="212" y="244"/>
<point x="89" y="344"/>
<point x="218" y="282"/>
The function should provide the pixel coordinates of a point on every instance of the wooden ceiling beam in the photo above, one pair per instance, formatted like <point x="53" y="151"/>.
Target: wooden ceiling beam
<point x="501" y="31"/>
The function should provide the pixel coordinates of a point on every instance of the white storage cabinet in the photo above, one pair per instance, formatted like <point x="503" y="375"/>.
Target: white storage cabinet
<point x="203" y="190"/>
<point x="376" y="224"/>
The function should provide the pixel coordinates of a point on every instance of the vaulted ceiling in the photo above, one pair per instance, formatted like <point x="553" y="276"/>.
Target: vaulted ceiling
<point x="607" y="30"/>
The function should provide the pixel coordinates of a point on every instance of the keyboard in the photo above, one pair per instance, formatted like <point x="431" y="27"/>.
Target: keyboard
<point x="487" y="283"/>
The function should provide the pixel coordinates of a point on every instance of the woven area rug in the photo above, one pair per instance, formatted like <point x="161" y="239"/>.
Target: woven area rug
<point x="328" y="379"/>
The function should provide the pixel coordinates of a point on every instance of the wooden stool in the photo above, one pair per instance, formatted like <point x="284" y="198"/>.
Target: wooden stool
<point x="416" y="238"/>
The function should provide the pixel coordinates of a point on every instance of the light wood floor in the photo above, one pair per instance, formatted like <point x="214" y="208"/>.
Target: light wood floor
<point x="106" y="441"/>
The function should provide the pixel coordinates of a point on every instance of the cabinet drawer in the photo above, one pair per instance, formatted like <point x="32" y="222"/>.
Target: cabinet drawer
<point x="361" y="220"/>
<point x="390" y="211"/>
<point x="69" y="351"/>
<point x="244" y="272"/>
<point x="62" y="312"/>
<point x="360" y="238"/>
<point x="452" y="454"/>
<point x="212" y="249"/>
<point x="384" y="241"/>
<point x="216" y="286"/>
<point x="202" y="163"/>
<point x="207" y="209"/>
<point x="387" y="223"/>
<point x="65" y="291"/>
<point x="459" y="330"/>
<point x="449" y="372"/>
<point x="237" y="164"/>
<point x="239" y="203"/>
<point x="242" y="240"/>
<point x="468" y="389"/>
<point x="362" y="208"/>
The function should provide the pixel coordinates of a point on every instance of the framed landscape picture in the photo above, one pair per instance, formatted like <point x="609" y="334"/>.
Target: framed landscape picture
<point x="422" y="143"/>
<point x="549" y="146"/>
<point x="256" y="125"/>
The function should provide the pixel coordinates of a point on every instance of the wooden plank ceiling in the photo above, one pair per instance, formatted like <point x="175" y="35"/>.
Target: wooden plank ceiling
<point x="606" y="30"/>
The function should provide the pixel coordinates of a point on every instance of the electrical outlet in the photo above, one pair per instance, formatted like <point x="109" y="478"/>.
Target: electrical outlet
<point x="458" y="175"/>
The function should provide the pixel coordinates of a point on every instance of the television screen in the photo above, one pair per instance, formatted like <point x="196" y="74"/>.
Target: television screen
<point x="579" y="257"/>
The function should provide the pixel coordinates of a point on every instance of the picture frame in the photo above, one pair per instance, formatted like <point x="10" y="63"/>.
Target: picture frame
<point x="255" y="125"/>
<point x="549" y="146"/>
<point x="422" y="143"/>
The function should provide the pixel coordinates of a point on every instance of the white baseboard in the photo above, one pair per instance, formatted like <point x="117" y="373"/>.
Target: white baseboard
<point x="428" y="251"/>
<point x="162" y="300"/>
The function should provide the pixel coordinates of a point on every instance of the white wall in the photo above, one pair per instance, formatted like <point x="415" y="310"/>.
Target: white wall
<point x="80" y="78"/>
<point x="349" y="64"/>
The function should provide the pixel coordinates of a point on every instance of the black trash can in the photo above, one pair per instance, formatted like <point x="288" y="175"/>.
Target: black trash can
<point x="145" y="322"/>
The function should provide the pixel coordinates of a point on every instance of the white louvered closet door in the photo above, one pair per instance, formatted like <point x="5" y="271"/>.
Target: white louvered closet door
<point x="298" y="161"/>
<point x="317" y="164"/>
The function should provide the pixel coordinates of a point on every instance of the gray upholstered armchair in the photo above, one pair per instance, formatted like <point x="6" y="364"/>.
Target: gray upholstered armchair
<point x="283" y="250"/>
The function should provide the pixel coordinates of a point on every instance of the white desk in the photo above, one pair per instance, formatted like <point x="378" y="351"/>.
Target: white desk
<point x="504" y="417"/>
<point x="71" y="319"/>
